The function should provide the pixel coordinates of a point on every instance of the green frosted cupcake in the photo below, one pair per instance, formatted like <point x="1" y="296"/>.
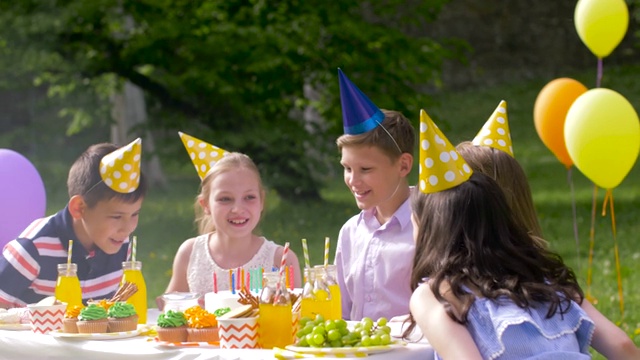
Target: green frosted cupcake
<point x="172" y="326"/>
<point x="122" y="317"/>
<point x="92" y="319"/>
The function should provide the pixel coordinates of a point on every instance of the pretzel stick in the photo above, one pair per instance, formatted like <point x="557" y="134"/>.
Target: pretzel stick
<point x="125" y="292"/>
<point x="246" y="298"/>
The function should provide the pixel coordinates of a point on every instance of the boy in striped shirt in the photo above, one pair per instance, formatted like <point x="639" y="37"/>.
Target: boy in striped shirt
<point x="106" y="190"/>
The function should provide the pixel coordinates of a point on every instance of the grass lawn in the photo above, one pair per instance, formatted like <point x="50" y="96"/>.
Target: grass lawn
<point x="168" y="215"/>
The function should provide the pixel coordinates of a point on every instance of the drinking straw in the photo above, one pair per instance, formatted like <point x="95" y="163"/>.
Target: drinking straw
<point x="133" y="248"/>
<point x="326" y="251"/>
<point x="291" y="283"/>
<point x="305" y="251"/>
<point x="69" y="251"/>
<point x="215" y="282"/>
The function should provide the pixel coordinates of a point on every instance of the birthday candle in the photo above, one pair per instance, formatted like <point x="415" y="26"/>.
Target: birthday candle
<point x="215" y="282"/>
<point x="242" y="278"/>
<point x="248" y="287"/>
<point x="286" y="274"/>
<point x="233" y="283"/>
<point x="230" y="278"/>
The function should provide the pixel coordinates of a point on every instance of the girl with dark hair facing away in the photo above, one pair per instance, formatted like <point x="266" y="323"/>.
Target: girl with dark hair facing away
<point x="482" y="287"/>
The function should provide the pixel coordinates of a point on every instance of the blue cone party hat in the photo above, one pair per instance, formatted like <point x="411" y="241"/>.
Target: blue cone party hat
<point x="359" y="114"/>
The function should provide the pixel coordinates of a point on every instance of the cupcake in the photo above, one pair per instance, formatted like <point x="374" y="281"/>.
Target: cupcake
<point x="92" y="319"/>
<point x="70" y="321"/>
<point x="122" y="317"/>
<point x="203" y="325"/>
<point x="172" y="326"/>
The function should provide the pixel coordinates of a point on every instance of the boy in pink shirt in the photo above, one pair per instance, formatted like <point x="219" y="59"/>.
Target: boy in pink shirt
<point x="375" y="247"/>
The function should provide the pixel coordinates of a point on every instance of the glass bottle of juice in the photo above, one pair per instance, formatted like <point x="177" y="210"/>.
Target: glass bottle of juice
<point x="68" y="289"/>
<point x="275" y="321"/>
<point x="321" y="294"/>
<point x="132" y="272"/>
<point x="330" y="276"/>
<point x="307" y="306"/>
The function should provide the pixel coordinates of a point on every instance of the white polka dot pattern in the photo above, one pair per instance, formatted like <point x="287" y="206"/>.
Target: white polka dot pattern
<point x="440" y="167"/>
<point x="495" y="132"/>
<point x="202" y="154"/>
<point x="120" y="170"/>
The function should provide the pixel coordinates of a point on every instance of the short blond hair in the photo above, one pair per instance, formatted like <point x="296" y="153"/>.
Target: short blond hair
<point x="229" y="162"/>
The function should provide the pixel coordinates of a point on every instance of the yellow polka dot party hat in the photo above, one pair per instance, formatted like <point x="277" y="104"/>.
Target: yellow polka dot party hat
<point x="203" y="155"/>
<point x="441" y="167"/>
<point x="120" y="169"/>
<point x="495" y="132"/>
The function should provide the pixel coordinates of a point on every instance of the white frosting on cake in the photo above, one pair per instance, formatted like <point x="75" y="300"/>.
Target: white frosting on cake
<point x="221" y="299"/>
<point x="9" y="317"/>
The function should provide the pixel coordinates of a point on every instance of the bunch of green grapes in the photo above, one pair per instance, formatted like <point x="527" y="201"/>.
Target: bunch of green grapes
<point x="335" y="333"/>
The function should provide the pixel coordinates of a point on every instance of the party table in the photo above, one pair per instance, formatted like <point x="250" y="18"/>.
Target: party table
<point x="26" y="345"/>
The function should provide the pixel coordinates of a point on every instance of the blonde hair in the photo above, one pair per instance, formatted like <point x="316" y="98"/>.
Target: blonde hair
<point x="508" y="173"/>
<point x="394" y="136"/>
<point x="229" y="162"/>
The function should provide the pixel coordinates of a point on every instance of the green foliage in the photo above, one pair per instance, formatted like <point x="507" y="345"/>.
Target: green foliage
<point x="235" y="69"/>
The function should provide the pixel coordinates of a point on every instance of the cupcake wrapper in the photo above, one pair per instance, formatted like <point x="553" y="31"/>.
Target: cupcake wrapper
<point x="177" y="334"/>
<point x="70" y="325"/>
<point x="203" y="335"/>
<point x="92" y="326"/>
<point x="124" y="324"/>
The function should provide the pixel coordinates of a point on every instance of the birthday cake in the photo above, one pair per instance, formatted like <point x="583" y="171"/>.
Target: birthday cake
<point x="222" y="299"/>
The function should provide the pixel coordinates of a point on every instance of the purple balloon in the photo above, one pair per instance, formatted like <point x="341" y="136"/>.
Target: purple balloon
<point x="22" y="195"/>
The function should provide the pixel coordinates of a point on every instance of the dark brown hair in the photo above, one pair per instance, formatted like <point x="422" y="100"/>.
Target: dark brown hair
<point x="467" y="238"/>
<point x="508" y="173"/>
<point x="85" y="180"/>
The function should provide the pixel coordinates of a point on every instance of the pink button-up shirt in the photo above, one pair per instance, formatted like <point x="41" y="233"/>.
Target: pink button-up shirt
<point x="374" y="265"/>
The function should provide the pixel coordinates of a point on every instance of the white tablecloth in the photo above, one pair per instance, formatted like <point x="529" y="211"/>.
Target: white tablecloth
<point x="25" y="345"/>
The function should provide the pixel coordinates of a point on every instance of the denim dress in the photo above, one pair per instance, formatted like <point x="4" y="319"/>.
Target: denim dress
<point x="504" y="331"/>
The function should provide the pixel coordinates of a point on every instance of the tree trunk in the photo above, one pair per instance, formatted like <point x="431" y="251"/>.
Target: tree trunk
<point x="129" y="112"/>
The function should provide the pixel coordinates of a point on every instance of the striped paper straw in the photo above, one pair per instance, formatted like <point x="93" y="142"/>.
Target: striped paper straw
<point x="327" y="244"/>
<point x="305" y="251"/>
<point x="133" y="248"/>
<point x="69" y="251"/>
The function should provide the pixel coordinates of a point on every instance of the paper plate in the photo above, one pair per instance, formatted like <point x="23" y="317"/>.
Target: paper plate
<point x="213" y="344"/>
<point x="101" y="336"/>
<point x="347" y="351"/>
<point x="15" y="326"/>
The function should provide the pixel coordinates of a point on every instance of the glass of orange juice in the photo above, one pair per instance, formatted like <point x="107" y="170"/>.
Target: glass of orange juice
<point x="275" y="321"/>
<point x="132" y="272"/>
<point x="68" y="289"/>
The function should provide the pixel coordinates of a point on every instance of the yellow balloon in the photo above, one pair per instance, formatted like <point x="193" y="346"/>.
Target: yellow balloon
<point x="601" y="24"/>
<point x="602" y="134"/>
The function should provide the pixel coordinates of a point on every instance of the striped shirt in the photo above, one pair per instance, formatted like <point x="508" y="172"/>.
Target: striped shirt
<point x="28" y="266"/>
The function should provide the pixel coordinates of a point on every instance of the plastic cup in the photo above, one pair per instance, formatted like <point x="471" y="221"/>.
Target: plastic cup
<point x="238" y="333"/>
<point x="46" y="318"/>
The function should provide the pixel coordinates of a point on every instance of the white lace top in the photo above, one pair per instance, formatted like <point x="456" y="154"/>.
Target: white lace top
<point x="202" y="266"/>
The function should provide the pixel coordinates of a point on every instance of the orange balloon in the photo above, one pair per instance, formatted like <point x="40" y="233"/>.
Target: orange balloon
<point x="549" y="113"/>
